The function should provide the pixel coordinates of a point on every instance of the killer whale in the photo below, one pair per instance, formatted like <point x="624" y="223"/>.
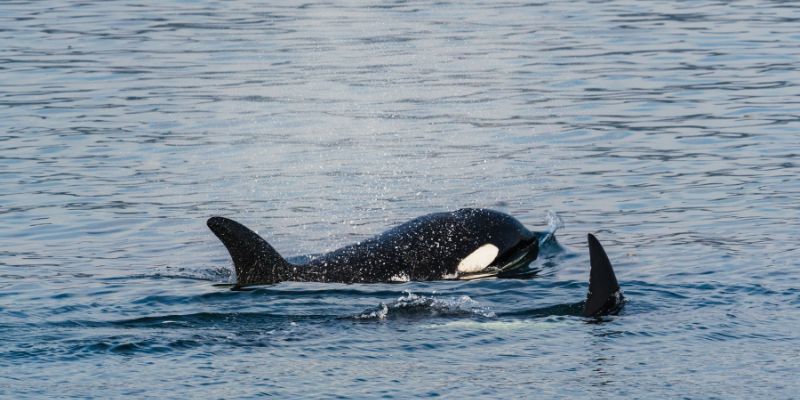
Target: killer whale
<point x="462" y="244"/>
<point x="465" y="244"/>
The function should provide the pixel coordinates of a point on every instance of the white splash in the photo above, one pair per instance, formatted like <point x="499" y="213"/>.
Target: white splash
<point x="554" y="223"/>
<point x="379" y="314"/>
<point x="411" y="305"/>
<point x="402" y="277"/>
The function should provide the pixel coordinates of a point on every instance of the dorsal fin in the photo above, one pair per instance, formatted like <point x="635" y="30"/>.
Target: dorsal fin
<point x="604" y="295"/>
<point x="256" y="262"/>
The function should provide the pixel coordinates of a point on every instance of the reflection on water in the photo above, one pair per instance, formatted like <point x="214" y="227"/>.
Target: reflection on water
<point x="668" y="128"/>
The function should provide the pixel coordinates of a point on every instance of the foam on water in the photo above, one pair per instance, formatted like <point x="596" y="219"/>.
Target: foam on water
<point x="411" y="305"/>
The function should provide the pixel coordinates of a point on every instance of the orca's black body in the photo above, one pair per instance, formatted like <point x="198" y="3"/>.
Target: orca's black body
<point x="427" y="248"/>
<point x="463" y="244"/>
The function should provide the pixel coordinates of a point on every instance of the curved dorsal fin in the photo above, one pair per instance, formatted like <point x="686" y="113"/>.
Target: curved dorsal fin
<point x="604" y="295"/>
<point x="256" y="262"/>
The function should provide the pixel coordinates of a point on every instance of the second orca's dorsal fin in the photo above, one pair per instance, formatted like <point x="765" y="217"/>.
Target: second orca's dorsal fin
<point x="604" y="295"/>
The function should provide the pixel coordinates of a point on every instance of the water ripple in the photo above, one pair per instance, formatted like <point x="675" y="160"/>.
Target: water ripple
<point x="667" y="128"/>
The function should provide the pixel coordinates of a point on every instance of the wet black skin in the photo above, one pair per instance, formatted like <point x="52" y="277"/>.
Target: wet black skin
<point x="426" y="248"/>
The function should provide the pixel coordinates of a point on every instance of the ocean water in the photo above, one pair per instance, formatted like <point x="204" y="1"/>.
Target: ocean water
<point x="670" y="129"/>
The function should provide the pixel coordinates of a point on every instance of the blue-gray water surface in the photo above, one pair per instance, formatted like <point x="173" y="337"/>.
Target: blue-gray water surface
<point x="670" y="129"/>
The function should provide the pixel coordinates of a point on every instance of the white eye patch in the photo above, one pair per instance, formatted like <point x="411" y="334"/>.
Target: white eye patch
<point x="479" y="259"/>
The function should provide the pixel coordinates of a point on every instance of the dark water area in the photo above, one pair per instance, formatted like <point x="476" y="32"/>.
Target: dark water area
<point x="668" y="128"/>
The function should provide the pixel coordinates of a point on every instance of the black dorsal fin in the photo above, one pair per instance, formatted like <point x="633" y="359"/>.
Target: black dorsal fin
<point x="256" y="262"/>
<point x="604" y="295"/>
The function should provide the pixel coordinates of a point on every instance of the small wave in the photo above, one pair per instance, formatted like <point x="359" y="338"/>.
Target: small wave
<point x="215" y="319"/>
<point x="379" y="313"/>
<point x="214" y="274"/>
<point x="412" y="305"/>
<point x="550" y="322"/>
